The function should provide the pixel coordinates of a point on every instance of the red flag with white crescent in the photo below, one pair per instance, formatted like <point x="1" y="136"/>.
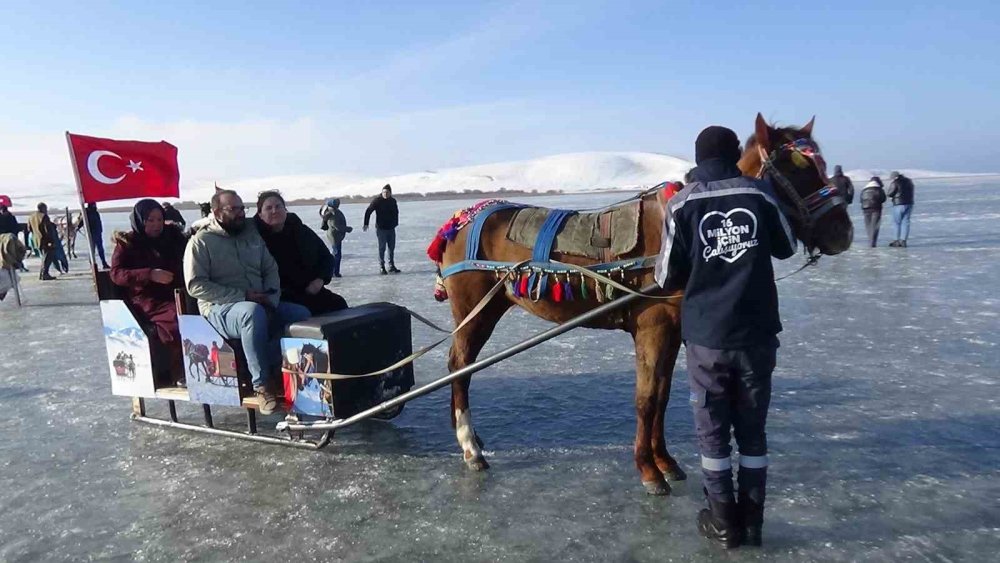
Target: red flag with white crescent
<point x="109" y="169"/>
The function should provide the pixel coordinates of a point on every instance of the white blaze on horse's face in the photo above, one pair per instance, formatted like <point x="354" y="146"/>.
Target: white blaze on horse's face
<point x="466" y="435"/>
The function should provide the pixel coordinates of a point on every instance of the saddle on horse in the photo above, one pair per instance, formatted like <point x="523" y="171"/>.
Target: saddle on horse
<point x="602" y="235"/>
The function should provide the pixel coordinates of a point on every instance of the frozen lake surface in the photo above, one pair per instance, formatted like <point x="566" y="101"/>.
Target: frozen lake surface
<point x="883" y="427"/>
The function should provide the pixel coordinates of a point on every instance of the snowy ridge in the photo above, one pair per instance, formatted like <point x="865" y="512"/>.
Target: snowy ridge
<point x="574" y="172"/>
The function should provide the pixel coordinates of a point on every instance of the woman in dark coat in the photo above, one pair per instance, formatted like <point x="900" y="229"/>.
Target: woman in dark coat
<point x="147" y="265"/>
<point x="305" y="264"/>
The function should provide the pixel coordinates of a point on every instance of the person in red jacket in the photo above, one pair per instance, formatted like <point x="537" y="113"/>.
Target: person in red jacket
<point x="147" y="265"/>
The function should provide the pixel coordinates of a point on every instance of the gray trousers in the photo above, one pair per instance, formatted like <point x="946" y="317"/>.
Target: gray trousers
<point x="386" y="239"/>
<point x="731" y="389"/>
<point x="873" y="218"/>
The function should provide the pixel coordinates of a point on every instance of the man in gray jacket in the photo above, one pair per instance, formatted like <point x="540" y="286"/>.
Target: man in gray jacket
<point x="228" y="269"/>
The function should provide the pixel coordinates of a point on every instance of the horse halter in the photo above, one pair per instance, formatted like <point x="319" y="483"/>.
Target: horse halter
<point x="803" y="153"/>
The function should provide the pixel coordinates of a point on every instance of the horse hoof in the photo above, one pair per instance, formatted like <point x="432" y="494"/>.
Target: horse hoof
<point x="656" y="488"/>
<point x="477" y="464"/>
<point x="675" y="474"/>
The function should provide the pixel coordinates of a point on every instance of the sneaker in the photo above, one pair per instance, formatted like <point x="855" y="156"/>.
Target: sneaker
<point x="46" y="277"/>
<point x="894" y="243"/>
<point x="393" y="270"/>
<point x="902" y="243"/>
<point x="265" y="400"/>
<point x="383" y="272"/>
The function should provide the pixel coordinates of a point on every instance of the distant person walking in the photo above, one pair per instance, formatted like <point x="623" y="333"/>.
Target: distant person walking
<point x="8" y="222"/>
<point x="42" y="231"/>
<point x="96" y="233"/>
<point x="70" y="233"/>
<point x="386" y="221"/>
<point x="872" y="198"/>
<point x="843" y="184"/>
<point x="335" y="225"/>
<point x="901" y="193"/>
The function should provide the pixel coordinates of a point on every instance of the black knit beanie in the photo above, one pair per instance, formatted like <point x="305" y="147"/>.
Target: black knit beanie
<point x="717" y="142"/>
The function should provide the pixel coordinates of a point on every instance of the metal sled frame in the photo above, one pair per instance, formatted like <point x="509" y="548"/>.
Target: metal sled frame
<point x="208" y="427"/>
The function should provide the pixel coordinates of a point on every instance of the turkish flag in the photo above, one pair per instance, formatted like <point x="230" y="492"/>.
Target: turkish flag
<point x="110" y="169"/>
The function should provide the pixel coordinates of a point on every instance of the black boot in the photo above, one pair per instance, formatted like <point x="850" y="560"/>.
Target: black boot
<point x="383" y="272"/>
<point x="719" y="523"/>
<point x="751" y="515"/>
<point x="392" y="269"/>
<point x="894" y="243"/>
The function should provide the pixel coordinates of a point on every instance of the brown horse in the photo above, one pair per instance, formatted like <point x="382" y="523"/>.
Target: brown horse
<point x="653" y="323"/>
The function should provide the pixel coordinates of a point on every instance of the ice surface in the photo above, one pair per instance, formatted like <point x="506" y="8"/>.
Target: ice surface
<point x="883" y="428"/>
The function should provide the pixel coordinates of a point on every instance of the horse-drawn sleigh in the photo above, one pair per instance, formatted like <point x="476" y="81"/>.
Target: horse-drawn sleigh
<point x="605" y="282"/>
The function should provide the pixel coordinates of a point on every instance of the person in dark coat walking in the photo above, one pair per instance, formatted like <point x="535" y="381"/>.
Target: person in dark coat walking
<point x="304" y="263"/>
<point x="42" y="232"/>
<point x="386" y="220"/>
<point x="335" y="225"/>
<point x="720" y="233"/>
<point x="96" y="234"/>
<point x="901" y="193"/>
<point x="147" y="264"/>
<point x="843" y="183"/>
<point x="872" y="198"/>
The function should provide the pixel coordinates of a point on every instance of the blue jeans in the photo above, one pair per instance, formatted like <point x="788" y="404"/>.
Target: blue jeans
<point x="248" y="321"/>
<point x="901" y="217"/>
<point x="386" y="239"/>
<point x="338" y="253"/>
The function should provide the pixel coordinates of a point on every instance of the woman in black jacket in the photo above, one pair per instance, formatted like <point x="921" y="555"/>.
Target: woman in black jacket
<point x="304" y="263"/>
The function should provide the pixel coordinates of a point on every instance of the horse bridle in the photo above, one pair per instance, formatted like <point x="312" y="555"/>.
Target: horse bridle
<point x="813" y="206"/>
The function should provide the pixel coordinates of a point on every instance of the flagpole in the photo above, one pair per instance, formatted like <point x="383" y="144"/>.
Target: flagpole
<point x="83" y="213"/>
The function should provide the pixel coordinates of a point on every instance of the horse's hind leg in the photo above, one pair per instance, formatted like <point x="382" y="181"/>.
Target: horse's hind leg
<point x="649" y="347"/>
<point x="464" y="350"/>
<point x="664" y="377"/>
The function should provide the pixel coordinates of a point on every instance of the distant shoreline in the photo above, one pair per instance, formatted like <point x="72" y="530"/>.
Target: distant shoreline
<point x="406" y="196"/>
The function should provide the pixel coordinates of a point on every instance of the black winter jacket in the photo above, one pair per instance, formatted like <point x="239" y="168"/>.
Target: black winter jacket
<point x="299" y="252"/>
<point x="901" y="191"/>
<point x="386" y="212"/>
<point x="8" y="224"/>
<point x="721" y="232"/>
<point x="846" y="187"/>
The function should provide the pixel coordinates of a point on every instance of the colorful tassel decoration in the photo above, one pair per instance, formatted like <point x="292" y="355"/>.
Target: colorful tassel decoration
<point x="557" y="291"/>
<point x="523" y="286"/>
<point x="583" y="288"/>
<point x="567" y="290"/>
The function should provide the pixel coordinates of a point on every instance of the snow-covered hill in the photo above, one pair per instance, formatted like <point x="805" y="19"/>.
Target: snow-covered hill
<point x="568" y="172"/>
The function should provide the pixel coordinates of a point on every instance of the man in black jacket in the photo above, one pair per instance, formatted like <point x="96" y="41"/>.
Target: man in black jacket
<point x="901" y="194"/>
<point x="386" y="221"/>
<point x="721" y="231"/>
<point x="843" y="183"/>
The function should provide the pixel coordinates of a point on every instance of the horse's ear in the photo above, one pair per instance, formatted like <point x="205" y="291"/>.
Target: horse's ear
<point x="807" y="129"/>
<point x="763" y="133"/>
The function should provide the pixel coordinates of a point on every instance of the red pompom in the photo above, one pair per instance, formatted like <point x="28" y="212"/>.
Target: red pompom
<point x="436" y="249"/>
<point x="557" y="292"/>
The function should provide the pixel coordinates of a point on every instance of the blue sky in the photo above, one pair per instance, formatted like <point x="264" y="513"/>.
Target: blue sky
<point x="265" y="88"/>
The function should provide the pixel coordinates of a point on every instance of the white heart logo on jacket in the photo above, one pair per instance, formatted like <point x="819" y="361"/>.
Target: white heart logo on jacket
<point x="728" y="235"/>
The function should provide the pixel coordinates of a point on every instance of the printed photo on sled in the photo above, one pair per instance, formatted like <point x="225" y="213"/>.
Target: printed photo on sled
<point x="209" y="363"/>
<point x="128" y="352"/>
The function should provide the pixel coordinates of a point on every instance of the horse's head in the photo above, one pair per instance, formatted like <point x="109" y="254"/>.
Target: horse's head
<point x="790" y="159"/>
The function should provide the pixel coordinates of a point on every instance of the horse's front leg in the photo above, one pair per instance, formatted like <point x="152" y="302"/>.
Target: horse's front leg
<point x="647" y="354"/>
<point x="464" y="349"/>
<point x="461" y="420"/>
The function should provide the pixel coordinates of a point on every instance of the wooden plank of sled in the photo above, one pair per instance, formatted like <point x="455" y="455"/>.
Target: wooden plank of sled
<point x="173" y="393"/>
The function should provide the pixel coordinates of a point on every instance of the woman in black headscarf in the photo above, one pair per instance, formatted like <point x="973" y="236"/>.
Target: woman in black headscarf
<point x="147" y="265"/>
